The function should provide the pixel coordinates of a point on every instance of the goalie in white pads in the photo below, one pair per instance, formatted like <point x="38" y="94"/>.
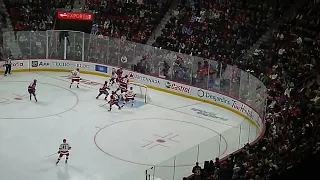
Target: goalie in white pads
<point x="64" y="151"/>
<point x="129" y="96"/>
<point x="75" y="77"/>
<point x="104" y="90"/>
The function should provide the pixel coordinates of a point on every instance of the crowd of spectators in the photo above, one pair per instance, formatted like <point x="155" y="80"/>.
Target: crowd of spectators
<point x="133" y="19"/>
<point x="207" y="28"/>
<point x="288" y="66"/>
<point x="222" y="30"/>
<point x="36" y="15"/>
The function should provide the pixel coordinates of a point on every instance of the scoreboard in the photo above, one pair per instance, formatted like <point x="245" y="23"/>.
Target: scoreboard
<point x="74" y="21"/>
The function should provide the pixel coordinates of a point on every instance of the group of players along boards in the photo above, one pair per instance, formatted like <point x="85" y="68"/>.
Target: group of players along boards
<point x="117" y="79"/>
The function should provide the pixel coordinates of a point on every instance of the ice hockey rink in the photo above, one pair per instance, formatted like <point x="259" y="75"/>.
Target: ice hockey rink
<point x="115" y="145"/>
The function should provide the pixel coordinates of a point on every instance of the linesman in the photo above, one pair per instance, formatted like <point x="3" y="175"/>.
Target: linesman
<point x="8" y="64"/>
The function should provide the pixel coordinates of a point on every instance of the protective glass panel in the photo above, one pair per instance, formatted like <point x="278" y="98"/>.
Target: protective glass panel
<point x="114" y="52"/>
<point x="127" y="53"/>
<point x="38" y="44"/>
<point x="214" y="76"/>
<point x="96" y="48"/>
<point x="200" y="68"/>
<point x="9" y="41"/>
<point x="24" y="43"/>
<point x="55" y="45"/>
<point x="182" y="68"/>
<point x="165" y="170"/>
<point x="75" y="42"/>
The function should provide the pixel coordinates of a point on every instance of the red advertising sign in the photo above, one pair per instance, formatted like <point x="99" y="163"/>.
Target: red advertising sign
<point x="178" y="87"/>
<point x="131" y="75"/>
<point x="75" y="16"/>
<point x="15" y="64"/>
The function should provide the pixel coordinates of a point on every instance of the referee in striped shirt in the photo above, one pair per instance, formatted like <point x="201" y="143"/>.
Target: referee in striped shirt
<point x="8" y="64"/>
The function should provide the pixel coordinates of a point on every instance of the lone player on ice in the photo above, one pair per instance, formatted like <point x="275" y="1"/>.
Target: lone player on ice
<point x="32" y="89"/>
<point x="75" y="77"/>
<point x="64" y="150"/>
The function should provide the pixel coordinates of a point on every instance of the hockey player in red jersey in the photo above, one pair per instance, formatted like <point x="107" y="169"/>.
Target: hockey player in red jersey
<point x="104" y="90"/>
<point x="75" y="77"/>
<point x="129" y="96"/>
<point x="64" y="151"/>
<point x="114" y="100"/>
<point x="123" y="84"/>
<point x="119" y="73"/>
<point x="32" y="89"/>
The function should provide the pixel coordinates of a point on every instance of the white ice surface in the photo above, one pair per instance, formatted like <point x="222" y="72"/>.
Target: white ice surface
<point x="115" y="145"/>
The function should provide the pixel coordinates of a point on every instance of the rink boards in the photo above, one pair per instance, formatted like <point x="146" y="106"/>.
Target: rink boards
<point x="152" y="82"/>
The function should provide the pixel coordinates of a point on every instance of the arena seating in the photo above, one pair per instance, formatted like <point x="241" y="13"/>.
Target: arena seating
<point x="34" y="15"/>
<point x="134" y="20"/>
<point x="288" y="66"/>
<point x="210" y="29"/>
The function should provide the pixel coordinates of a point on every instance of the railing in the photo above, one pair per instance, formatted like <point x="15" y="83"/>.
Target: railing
<point x="183" y="68"/>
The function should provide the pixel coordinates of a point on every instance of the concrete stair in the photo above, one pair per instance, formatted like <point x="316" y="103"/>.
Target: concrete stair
<point x="158" y="30"/>
<point x="10" y="43"/>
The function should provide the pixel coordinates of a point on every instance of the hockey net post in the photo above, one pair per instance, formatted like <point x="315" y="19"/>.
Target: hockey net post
<point x="140" y="90"/>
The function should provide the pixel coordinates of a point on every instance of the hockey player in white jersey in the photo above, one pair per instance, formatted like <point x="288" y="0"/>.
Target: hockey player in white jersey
<point x="129" y="96"/>
<point x="64" y="151"/>
<point x="75" y="77"/>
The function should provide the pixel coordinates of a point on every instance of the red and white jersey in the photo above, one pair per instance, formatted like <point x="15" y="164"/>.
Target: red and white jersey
<point x="114" y="98"/>
<point x="124" y="82"/>
<point x="64" y="148"/>
<point x="130" y="94"/>
<point x="75" y="74"/>
<point x="114" y="75"/>
<point x="32" y="86"/>
<point x="104" y="87"/>
<point x="119" y="73"/>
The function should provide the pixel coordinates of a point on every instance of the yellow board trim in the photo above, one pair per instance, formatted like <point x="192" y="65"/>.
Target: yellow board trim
<point x="152" y="87"/>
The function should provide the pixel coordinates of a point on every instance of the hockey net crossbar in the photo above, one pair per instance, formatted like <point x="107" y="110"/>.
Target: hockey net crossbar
<point x="141" y="91"/>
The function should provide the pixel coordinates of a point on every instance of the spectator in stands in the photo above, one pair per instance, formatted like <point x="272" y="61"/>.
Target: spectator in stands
<point x="287" y="66"/>
<point x="197" y="172"/>
<point x="134" y="19"/>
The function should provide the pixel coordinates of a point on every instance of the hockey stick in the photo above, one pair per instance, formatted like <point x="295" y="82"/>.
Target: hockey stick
<point x="101" y="105"/>
<point x="51" y="155"/>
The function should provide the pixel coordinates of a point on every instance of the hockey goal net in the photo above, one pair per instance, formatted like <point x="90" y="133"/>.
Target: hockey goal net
<point x="141" y="91"/>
